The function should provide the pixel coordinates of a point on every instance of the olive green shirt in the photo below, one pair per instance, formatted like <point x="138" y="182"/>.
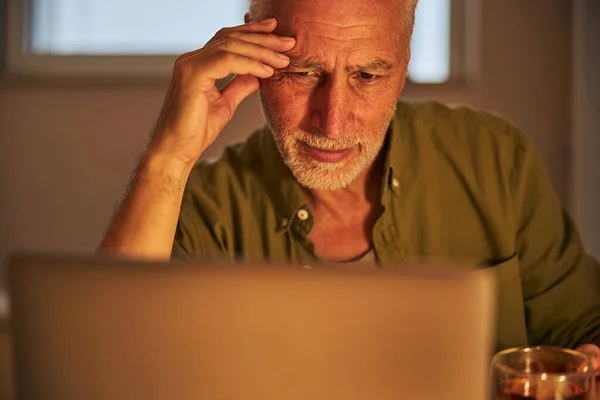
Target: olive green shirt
<point x="458" y="184"/>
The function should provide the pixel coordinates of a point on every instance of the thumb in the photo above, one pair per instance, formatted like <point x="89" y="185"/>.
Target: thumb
<point x="239" y="88"/>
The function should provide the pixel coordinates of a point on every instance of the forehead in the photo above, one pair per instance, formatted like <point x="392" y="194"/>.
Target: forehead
<point x="342" y="12"/>
<point x="348" y="28"/>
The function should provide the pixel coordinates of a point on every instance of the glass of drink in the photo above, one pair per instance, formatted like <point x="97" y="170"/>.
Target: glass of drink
<point x="542" y="373"/>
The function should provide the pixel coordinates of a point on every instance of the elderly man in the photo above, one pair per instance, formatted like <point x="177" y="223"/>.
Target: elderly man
<point x="343" y="172"/>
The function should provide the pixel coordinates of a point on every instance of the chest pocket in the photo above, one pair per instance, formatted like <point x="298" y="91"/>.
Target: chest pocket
<point x="511" y="327"/>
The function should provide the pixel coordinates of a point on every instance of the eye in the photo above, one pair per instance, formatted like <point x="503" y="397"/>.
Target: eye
<point x="304" y="74"/>
<point x="366" y="76"/>
<point x="296" y="76"/>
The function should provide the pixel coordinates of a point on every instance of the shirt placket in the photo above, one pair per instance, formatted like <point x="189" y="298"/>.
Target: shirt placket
<point x="301" y="223"/>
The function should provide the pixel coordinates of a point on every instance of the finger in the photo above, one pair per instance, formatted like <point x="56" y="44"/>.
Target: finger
<point x="225" y="64"/>
<point x="594" y="352"/>
<point x="267" y="25"/>
<point x="239" y="88"/>
<point x="273" y="42"/>
<point x="269" y="40"/>
<point x="256" y="51"/>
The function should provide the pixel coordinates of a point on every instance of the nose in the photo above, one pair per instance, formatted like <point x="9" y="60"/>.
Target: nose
<point x="331" y="108"/>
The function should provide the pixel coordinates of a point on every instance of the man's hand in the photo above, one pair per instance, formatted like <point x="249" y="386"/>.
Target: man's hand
<point x="195" y="111"/>
<point x="193" y="114"/>
<point x="593" y="351"/>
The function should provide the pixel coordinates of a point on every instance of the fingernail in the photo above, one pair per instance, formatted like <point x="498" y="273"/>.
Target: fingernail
<point x="267" y="21"/>
<point x="268" y="69"/>
<point x="283" y="57"/>
<point x="288" y="39"/>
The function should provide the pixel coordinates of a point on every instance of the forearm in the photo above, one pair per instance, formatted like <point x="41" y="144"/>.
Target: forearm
<point x="144" y="225"/>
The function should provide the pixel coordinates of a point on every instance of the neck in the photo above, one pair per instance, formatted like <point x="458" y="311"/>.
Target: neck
<point x="363" y="193"/>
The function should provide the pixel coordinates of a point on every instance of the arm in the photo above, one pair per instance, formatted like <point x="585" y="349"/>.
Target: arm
<point x="193" y="114"/>
<point x="144" y="225"/>
<point x="561" y="282"/>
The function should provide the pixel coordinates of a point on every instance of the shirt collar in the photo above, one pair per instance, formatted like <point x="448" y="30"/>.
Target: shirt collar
<point x="395" y="152"/>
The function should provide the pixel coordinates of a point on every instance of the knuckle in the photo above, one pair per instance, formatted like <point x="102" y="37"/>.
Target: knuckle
<point x="186" y="66"/>
<point x="227" y="43"/>
<point x="184" y="59"/>
<point x="268" y="54"/>
<point x="182" y="71"/>
<point x="227" y="57"/>
<point x="256" y="65"/>
<point x="267" y="37"/>
<point x="180" y="59"/>
<point x="221" y="32"/>
<point x="235" y="35"/>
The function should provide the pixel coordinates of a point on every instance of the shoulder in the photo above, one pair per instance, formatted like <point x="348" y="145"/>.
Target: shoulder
<point x="468" y="135"/>
<point x="461" y="124"/>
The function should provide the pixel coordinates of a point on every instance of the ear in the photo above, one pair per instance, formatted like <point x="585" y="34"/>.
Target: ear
<point x="247" y="18"/>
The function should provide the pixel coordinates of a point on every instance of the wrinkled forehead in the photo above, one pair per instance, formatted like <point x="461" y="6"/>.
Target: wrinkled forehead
<point x="323" y="26"/>
<point x="349" y="18"/>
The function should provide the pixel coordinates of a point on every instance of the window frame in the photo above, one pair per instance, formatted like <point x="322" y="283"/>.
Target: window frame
<point x="3" y="34"/>
<point x="18" y="61"/>
<point x="465" y="32"/>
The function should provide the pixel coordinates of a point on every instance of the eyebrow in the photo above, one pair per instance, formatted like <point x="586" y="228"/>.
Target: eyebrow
<point x="309" y="63"/>
<point x="378" y="64"/>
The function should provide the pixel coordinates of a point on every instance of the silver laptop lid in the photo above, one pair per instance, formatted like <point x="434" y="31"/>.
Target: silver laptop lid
<point x="108" y="329"/>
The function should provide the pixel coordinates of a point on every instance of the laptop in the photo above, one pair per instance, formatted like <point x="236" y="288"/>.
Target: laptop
<point x="88" y="328"/>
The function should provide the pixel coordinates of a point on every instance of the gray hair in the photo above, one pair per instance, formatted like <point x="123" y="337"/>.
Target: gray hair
<point x="262" y="9"/>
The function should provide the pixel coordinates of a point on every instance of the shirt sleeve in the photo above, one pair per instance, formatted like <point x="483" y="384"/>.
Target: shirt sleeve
<point x="200" y="234"/>
<point x="560" y="281"/>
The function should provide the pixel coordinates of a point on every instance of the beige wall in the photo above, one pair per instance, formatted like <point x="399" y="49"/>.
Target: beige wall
<point x="66" y="154"/>
<point x="67" y="148"/>
<point x="527" y="75"/>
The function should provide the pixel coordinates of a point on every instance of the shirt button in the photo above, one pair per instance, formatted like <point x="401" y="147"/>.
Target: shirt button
<point x="284" y="222"/>
<point x="395" y="183"/>
<point x="303" y="214"/>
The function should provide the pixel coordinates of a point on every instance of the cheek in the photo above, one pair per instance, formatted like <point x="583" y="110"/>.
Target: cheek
<point x="284" y="101"/>
<point x="377" y="103"/>
<point x="370" y="114"/>
<point x="378" y="112"/>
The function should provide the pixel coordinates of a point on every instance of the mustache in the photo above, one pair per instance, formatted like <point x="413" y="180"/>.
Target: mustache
<point x="322" y="143"/>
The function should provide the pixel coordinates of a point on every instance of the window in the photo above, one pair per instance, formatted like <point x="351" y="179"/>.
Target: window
<point x="141" y="37"/>
<point x="430" y="58"/>
<point x="118" y="27"/>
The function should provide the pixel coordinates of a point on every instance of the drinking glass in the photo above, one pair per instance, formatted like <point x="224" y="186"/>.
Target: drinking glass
<point x="542" y="373"/>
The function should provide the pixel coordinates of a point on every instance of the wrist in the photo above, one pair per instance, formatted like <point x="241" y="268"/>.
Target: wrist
<point x="177" y="152"/>
<point x="162" y="168"/>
